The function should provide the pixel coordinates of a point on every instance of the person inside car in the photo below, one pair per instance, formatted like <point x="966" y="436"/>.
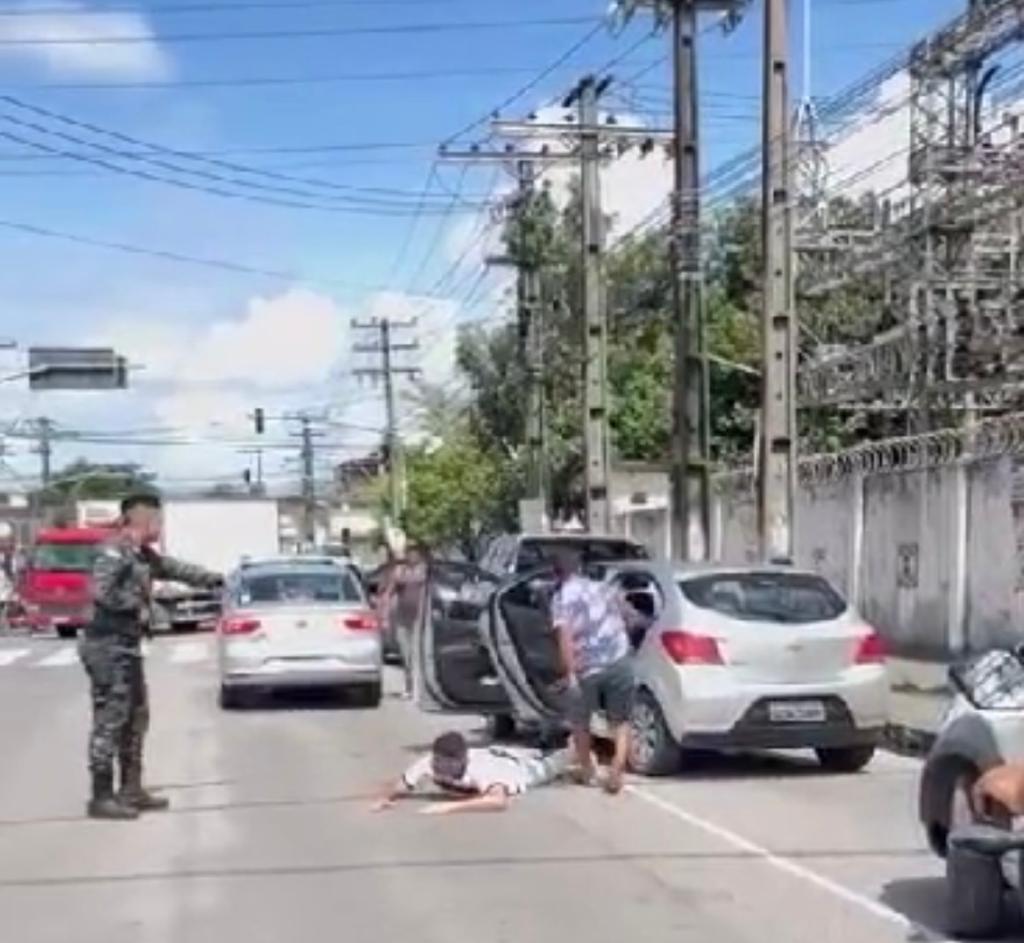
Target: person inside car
<point x="477" y="779"/>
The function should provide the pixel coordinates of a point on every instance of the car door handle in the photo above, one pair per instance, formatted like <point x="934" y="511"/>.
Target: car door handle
<point x="460" y="648"/>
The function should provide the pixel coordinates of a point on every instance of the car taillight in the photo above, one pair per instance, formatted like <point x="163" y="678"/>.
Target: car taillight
<point x="360" y="622"/>
<point x="687" y="648"/>
<point x="870" y="649"/>
<point x="239" y="625"/>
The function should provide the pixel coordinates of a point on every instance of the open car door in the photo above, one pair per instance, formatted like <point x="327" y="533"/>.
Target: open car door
<point x="453" y="666"/>
<point x="525" y="647"/>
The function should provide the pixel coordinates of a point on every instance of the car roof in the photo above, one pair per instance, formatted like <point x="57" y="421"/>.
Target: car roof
<point x="677" y="569"/>
<point x="289" y="560"/>
<point x="577" y="537"/>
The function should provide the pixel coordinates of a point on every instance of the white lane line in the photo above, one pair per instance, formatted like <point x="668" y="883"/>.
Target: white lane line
<point x="68" y="655"/>
<point x="188" y="653"/>
<point x="791" y="868"/>
<point x="11" y="655"/>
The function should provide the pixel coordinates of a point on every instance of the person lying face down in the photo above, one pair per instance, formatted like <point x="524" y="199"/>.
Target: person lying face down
<point x="477" y="779"/>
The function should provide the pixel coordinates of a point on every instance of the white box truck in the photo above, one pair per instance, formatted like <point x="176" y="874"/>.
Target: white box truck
<point x="216" y="534"/>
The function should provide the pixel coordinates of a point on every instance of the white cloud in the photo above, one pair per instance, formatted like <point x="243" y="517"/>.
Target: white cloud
<point x="282" y="341"/>
<point x="871" y="154"/>
<point x="75" y="28"/>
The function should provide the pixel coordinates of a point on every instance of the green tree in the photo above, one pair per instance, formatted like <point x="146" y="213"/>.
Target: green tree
<point x="455" y="492"/>
<point x="87" y="481"/>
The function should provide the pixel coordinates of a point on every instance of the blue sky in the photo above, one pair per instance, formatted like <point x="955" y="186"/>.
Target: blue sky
<point x="170" y="316"/>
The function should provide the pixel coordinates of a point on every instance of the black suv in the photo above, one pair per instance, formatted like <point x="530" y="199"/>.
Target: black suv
<point x="510" y="554"/>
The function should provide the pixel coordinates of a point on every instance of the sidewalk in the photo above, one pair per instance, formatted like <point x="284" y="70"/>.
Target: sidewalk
<point x="918" y="700"/>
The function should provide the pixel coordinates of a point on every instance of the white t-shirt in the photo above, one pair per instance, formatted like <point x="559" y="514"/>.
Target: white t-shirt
<point x="486" y="768"/>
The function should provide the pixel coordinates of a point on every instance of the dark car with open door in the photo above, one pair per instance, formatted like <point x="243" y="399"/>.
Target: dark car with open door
<point x="486" y="646"/>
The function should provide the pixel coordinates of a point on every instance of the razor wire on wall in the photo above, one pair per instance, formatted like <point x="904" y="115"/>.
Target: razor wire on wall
<point x="988" y="439"/>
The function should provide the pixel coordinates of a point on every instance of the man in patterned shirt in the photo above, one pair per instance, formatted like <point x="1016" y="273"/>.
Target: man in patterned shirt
<point x="111" y="651"/>
<point x="590" y="621"/>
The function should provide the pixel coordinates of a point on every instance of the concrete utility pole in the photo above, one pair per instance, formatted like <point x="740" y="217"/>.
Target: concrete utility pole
<point x="531" y="321"/>
<point x="595" y="327"/>
<point x="45" y="427"/>
<point x="586" y="142"/>
<point x="777" y="471"/>
<point x="691" y="486"/>
<point x="386" y="347"/>
<point x="691" y="439"/>
<point x="308" y="455"/>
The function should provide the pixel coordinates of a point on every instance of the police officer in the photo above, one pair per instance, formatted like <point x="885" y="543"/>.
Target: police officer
<point x="111" y="651"/>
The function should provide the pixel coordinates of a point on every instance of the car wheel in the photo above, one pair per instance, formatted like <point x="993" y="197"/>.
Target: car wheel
<point x="503" y="727"/>
<point x="845" y="759"/>
<point x="67" y="632"/>
<point x="652" y="750"/>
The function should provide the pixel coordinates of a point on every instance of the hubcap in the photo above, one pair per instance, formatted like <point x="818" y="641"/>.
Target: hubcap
<point x="645" y="734"/>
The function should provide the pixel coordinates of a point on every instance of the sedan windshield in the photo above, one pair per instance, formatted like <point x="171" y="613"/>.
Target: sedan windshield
<point x="789" y="598"/>
<point x="64" y="558"/>
<point x="289" y="587"/>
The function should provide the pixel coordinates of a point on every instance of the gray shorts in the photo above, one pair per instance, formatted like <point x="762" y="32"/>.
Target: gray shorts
<point x="609" y="690"/>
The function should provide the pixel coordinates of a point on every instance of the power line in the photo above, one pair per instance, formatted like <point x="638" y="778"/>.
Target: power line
<point x="239" y="268"/>
<point x="533" y="83"/>
<point x="365" y="208"/>
<point x="251" y="81"/>
<point x="170" y="9"/>
<point x="406" y="29"/>
<point x="186" y="155"/>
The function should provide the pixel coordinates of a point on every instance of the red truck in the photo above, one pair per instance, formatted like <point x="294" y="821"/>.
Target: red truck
<point x="52" y="590"/>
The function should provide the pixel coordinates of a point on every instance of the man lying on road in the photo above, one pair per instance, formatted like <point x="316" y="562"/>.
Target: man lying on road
<point x="480" y="779"/>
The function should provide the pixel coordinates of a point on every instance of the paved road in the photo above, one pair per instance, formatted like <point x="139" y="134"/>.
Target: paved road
<point x="270" y="839"/>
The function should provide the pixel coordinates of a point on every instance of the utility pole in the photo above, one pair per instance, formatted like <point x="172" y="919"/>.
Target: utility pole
<point x="585" y="144"/>
<point x="595" y="328"/>
<point x="386" y="347"/>
<point x="45" y="427"/>
<point x="777" y="471"/>
<point x="308" y="456"/>
<point x="691" y="486"/>
<point x="531" y="314"/>
<point x="691" y="438"/>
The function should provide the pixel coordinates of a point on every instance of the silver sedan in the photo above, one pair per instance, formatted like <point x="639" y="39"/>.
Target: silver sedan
<point x="296" y="626"/>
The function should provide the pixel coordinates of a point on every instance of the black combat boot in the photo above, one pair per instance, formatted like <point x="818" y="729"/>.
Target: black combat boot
<point x="104" y="804"/>
<point x="135" y="796"/>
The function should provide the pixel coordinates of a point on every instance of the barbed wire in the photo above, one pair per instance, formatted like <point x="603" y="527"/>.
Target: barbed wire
<point x="979" y="442"/>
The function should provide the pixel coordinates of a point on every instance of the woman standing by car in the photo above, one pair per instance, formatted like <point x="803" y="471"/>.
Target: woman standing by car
<point x="401" y="603"/>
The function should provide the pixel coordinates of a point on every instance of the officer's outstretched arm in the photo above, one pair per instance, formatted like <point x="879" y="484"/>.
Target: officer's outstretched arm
<point x="167" y="568"/>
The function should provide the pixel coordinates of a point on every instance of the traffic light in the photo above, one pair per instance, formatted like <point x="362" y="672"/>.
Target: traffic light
<point x="260" y="421"/>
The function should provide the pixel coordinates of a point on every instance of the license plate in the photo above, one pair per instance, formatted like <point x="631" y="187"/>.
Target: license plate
<point x="796" y="712"/>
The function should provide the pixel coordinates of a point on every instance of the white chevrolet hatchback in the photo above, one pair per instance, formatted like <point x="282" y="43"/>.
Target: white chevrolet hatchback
<point x="726" y="658"/>
<point x="294" y="625"/>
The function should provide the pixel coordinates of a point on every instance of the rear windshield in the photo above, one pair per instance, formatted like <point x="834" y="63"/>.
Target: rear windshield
<point x="769" y="597"/>
<point x="284" y="587"/>
<point x="65" y="558"/>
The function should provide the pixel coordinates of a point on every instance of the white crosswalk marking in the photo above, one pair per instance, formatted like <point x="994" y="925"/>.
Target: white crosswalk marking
<point x="11" y="655"/>
<point x="189" y="653"/>
<point x="67" y="655"/>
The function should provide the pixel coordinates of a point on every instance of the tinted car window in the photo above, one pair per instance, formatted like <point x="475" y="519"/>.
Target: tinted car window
<point x="303" y="588"/>
<point x="790" y="598"/>
<point x="592" y="551"/>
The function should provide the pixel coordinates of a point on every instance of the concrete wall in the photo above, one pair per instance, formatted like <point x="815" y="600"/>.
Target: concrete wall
<point x="934" y="558"/>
